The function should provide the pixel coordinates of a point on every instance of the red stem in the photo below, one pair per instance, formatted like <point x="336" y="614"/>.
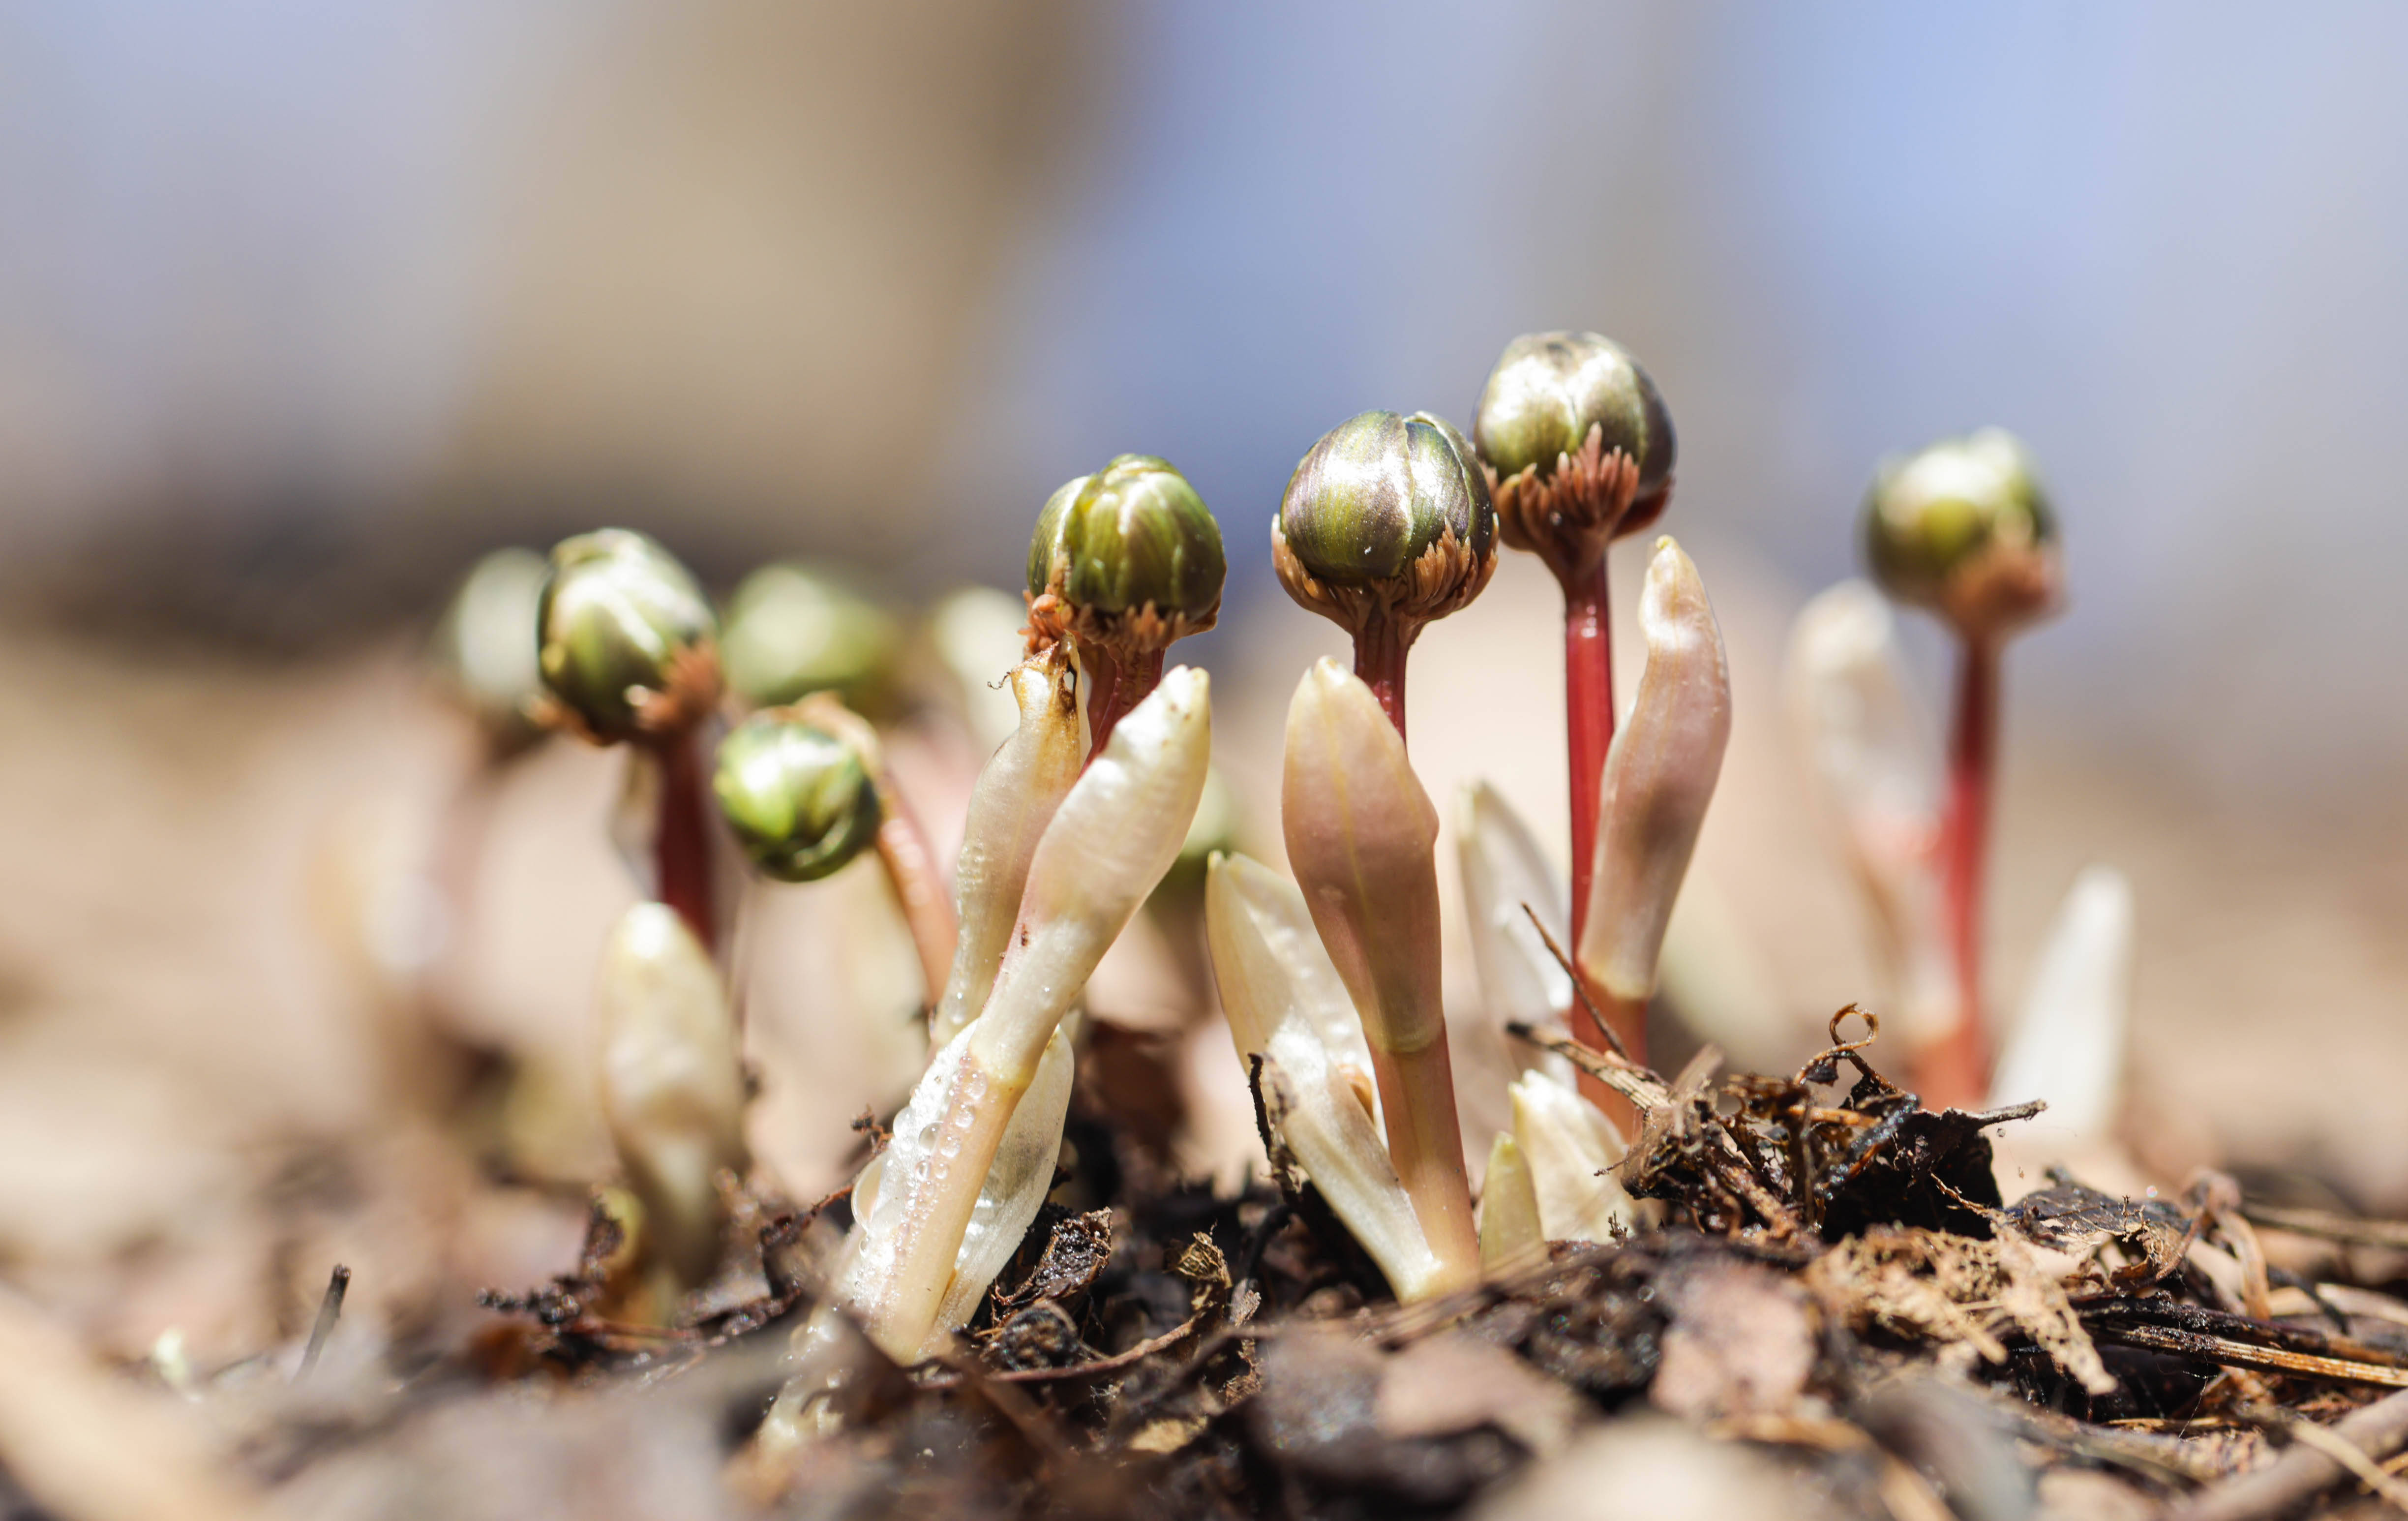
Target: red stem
<point x="1380" y="647"/>
<point x="1588" y="716"/>
<point x="1588" y="719"/>
<point x="1114" y="687"/>
<point x="681" y="839"/>
<point x="1955" y="1069"/>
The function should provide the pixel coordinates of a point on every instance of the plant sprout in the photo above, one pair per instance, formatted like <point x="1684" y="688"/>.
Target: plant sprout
<point x="1107" y="844"/>
<point x="628" y="647"/>
<point x="1386" y="525"/>
<point x="1578" y="451"/>
<point x="1124" y="564"/>
<point x="672" y="1090"/>
<point x="1964" y="529"/>
<point x="1361" y="837"/>
<point x="1658" y="781"/>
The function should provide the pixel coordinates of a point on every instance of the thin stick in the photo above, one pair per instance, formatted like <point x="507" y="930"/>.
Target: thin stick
<point x="2226" y="1353"/>
<point x="1955" y="1072"/>
<point x="1595" y="1089"/>
<point x="1579" y="989"/>
<point x="330" y="1309"/>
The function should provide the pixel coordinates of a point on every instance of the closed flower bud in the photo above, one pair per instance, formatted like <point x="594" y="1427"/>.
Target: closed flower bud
<point x="1578" y="444"/>
<point x="1129" y="557"/>
<point x="1386" y="517"/>
<point x="629" y="647"/>
<point x="484" y="648"/>
<point x="798" y="797"/>
<point x="1963" y="528"/>
<point x="797" y="629"/>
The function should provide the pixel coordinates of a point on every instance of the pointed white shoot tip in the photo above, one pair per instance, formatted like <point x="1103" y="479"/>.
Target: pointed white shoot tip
<point x="1569" y="1145"/>
<point x="1659" y="778"/>
<point x="1017" y="793"/>
<point x="672" y="1081"/>
<point x="1507" y="876"/>
<point x="2067" y="1047"/>
<point x="1509" y="1232"/>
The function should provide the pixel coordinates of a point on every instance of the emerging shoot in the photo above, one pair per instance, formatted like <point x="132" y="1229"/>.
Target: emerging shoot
<point x="1361" y="837"/>
<point x="1658" y="781"/>
<point x="672" y="1090"/>
<point x="1964" y="529"/>
<point x="1124" y="562"/>
<point x="1386" y="525"/>
<point x="1579" y="450"/>
<point x="628" y="647"/>
<point x="1868" y="754"/>
<point x="1107" y="846"/>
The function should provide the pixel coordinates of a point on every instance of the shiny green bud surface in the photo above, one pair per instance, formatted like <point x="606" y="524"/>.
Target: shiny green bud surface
<point x="798" y="797"/>
<point x="1378" y="493"/>
<point x="1047" y="558"/>
<point x="629" y="645"/>
<point x="1965" y="529"/>
<point x="484" y="648"/>
<point x="1137" y="536"/>
<point x="794" y="629"/>
<point x="1548" y="391"/>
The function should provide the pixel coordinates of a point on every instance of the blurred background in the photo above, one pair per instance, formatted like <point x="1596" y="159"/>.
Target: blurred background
<point x="301" y="306"/>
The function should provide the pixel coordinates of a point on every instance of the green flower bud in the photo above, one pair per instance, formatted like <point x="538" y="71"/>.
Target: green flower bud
<point x="1578" y="444"/>
<point x="629" y="645"/>
<point x="1387" y="515"/>
<point x="483" y="651"/>
<point x="798" y="797"/>
<point x="1049" y="559"/>
<point x="1964" y="528"/>
<point x="1132" y="556"/>
<point x="794" y="629"/>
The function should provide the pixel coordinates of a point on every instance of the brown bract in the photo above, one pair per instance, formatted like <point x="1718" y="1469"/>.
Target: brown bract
<point x="1567" y="517"/>
<point x="1446" y="576"/>
<point x="1126" y="635"/>
<point x="694" y="686"/>
<point x="2008" y="586"/>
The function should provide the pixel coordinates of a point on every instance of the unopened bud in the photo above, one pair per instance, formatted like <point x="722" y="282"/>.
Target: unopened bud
<point x="1386" y="516"/>
<point x="629" y="645"/>
<point x="798" y="797"/>
<point x="1579" y="445"/>
<point x="1964" y="528"/>
<point x="1128" y="558"/>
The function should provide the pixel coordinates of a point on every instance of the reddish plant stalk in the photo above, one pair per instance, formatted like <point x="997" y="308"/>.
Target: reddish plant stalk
<point x="1588" y="716"/>
<point x="919" y="886"/>
<point x="1380" y="647"/>
<point x="1588" y="719"/>
<point x="1113" y="687"/>
<point x="681" y="836"/>
<point x="1955" y="1069"/>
